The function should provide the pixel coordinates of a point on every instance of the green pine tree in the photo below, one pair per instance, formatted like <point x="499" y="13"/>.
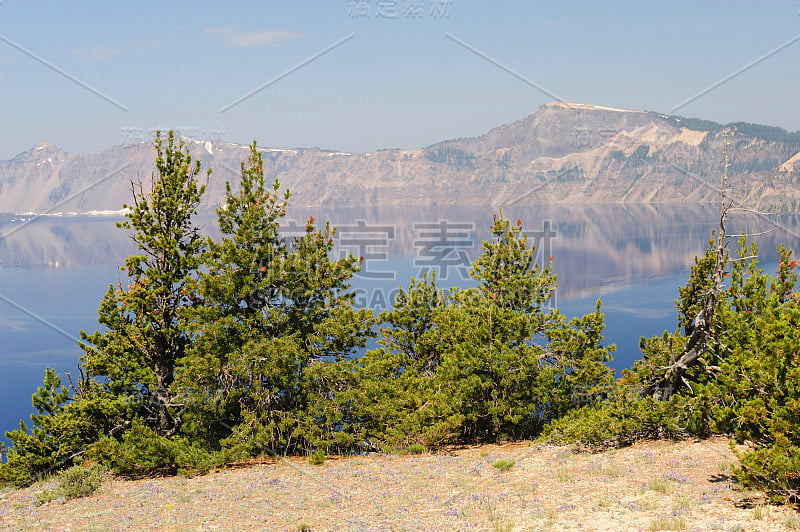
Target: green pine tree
<point x="486" y="362"/>
<point x="126" y="370"/>
<point x="146" y="336"/>
<point x="272" y="315"/>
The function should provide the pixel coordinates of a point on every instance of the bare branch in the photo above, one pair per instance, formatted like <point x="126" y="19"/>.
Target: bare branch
<point x="752" y="210"/>
<point x="747" y="235"/>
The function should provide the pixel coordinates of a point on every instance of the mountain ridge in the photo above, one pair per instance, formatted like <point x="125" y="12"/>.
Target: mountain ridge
<point x="565" y="152"/>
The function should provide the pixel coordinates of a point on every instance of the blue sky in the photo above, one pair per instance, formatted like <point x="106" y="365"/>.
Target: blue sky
<point x="397" y="82"/>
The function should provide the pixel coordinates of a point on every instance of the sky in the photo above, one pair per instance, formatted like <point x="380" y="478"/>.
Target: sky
<point x="364" y="75"/>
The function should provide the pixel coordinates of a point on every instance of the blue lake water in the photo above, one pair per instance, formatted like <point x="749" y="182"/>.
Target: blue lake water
<point x="55" y="271"/>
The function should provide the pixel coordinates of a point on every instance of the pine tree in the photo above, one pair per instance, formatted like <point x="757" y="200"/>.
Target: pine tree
<point x="136" y="356"/>
<point x="487" y="362"/>
<point x="271" y="313"/>
<point x="53" y="439"/>
<point x="126" y="370"/>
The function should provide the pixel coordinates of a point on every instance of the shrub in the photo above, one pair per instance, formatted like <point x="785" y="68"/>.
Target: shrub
<point x="757" y="387"/>
<point x="504" y="465"/>
<point x="618" y="423"/>
<point x="142" y="452"/>
<point x="317" y="457"/>
<point x="75" y="482"/>
<point x="276" y="321"/>
<point x="60" y="430"/>
<point x="269" y="324"/>
<point x="416" y="448"/>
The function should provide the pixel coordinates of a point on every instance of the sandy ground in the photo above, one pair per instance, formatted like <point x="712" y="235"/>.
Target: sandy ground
<point x="649" y="486"/>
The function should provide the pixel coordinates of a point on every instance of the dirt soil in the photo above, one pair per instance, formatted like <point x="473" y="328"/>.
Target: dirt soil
<point x="649" y="486"/>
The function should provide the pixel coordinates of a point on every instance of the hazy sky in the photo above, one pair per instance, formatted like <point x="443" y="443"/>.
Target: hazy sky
<point x="404" y="73"/>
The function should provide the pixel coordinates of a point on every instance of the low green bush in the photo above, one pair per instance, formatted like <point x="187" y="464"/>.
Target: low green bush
<point x="504" y="465"/>
<point x="317" y="457"/>
<point x="416" y="448"/>
<point x="616" y="424"/>
<point x="141" y="452"/>
<point x="75" y="482"/>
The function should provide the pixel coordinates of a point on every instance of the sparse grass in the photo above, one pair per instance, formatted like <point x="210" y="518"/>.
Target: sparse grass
<point x="610" y="472"/>
<point x="759" y="511"/>
<point x="682" y="501"/>
<point x="725" y="467"/>
<point x="96" y="528"/>
<point x="597" y="469"/>
<point x="737" y="528"/>
<point x="452" y="490"/>
<point x="658" y="484"/>
<point x="689" y="461"/>
<point x="647" y="505"/>
<point x="501" y="523"/>
<point x="604" y="502"/>
<point x="668" y="523"/>
<point x="647" y="457"/>
<point x="504" y="465"/>
<point x="303" y="527"/>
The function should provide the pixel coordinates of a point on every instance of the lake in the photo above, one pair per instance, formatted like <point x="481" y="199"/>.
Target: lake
<point x="55" y="270"/>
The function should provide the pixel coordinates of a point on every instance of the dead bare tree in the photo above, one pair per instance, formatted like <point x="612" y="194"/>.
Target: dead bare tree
<point x="702" y="336"/>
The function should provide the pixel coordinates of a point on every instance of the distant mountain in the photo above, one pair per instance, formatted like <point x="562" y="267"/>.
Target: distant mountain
<point x="564" y="153"/>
